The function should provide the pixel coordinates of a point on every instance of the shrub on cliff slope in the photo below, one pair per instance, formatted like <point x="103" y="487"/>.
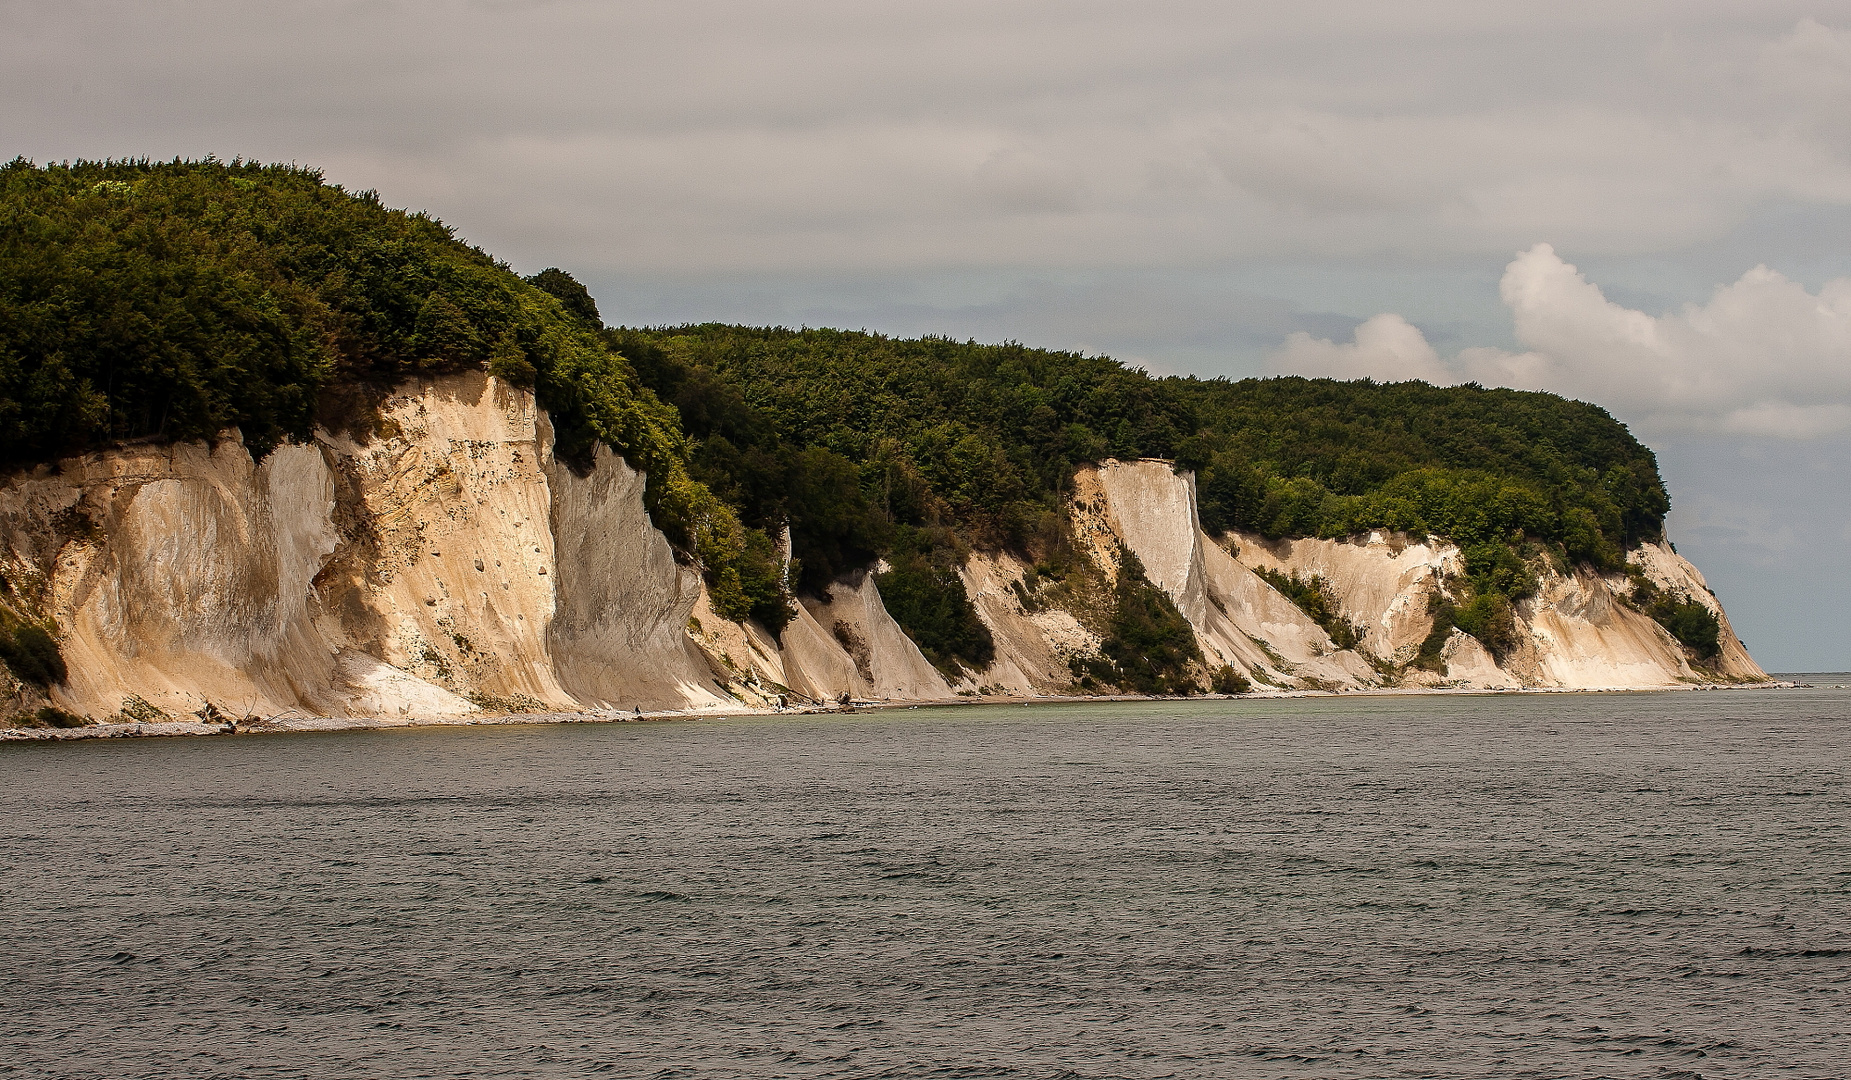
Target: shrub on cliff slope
<point x="1151" y="646"/>
<point x="1496" y="578"/>
<point x="923" y="593"/>
<point x="1695" y="626"/>
<point x="1312" y="598"/>
<point x="30" y="651"/>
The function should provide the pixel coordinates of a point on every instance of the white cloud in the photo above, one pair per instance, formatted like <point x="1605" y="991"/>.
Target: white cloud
<point x="1777" y="419"/>
<point x="1386" y="348"/>
<point x="1762" y="357"/>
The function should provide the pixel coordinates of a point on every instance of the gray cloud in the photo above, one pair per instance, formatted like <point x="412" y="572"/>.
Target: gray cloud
<point x="711" y="138"/>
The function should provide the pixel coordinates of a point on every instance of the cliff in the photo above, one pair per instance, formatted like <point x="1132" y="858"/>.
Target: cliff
<point x="1578" y="632"/>
<point x="450" y="566"/>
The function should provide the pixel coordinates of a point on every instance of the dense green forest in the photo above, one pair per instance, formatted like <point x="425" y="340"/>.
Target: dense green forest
<point x="993" y="433"/>
<point x="175" y="300"/>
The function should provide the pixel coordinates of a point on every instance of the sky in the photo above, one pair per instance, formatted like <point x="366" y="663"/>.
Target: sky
<point x="1638" y="203"/>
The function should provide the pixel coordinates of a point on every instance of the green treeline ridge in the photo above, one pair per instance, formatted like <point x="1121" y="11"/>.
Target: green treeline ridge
<point x="175" y="300"/>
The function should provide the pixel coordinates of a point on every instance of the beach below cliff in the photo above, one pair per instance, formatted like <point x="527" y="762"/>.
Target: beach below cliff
<point x="296" y="724"/>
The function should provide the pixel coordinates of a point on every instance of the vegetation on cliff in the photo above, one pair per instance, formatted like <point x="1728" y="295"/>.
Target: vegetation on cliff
<point x="1313" y="457"/>
<point x="175" y="300"/>
<point x="983" y="440"/>
<point x="994" y="432"/>
<point x="1313" y="598"/>
<point x="1694" y="625"/>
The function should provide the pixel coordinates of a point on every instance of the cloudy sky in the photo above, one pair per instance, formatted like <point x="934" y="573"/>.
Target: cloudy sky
<point x="1640" y="203"/>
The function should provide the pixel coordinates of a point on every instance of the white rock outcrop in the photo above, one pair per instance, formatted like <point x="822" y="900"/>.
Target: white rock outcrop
<point x="1576" y="633"/>
<point x="447" y="565"/>
<point x="1034" y="642"/>
<point x="1383" y="581"/>
<point x="1151" y="509"/>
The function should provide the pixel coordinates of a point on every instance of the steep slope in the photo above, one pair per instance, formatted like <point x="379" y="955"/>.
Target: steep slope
<point x="1577" y="632"/>
<point x="449" y="566"/>
<point x="1382" y="579"/>
<point x="452" y="565"/>
<point x="1151" y="509"/>
<point x="279" y="447"/>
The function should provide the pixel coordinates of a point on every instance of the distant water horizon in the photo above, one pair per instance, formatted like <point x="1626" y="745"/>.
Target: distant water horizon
<point x="1630" y="885"/>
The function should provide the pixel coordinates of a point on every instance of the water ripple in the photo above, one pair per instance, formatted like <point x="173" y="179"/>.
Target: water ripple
<point x="1561" y="886"/>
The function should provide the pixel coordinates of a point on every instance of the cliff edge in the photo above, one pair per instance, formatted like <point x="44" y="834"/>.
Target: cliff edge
<point x="450" y="566"/>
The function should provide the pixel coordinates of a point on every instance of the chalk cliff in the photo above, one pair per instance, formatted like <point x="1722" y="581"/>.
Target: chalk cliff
<point x="448" y="565"/>
<point x="1577" y="632"/>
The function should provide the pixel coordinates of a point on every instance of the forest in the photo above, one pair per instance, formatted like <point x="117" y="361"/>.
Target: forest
<point x="175" y="300"/>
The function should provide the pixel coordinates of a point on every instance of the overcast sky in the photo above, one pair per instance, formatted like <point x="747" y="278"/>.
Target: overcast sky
<point x="1643" y="204"/>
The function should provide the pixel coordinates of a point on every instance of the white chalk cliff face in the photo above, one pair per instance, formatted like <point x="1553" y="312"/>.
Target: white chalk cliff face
<point x="1574" y="634"/>
<point x="447" y="567"/>
<point x="450" y="566"/>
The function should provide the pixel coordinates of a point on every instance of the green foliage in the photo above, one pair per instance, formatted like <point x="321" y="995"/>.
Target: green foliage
<point x="987" y="436"/>
<point x="1495" y="569"/>
<point x="1312" y="598"/>
<point x="1226" y="680"/>
<point x="573" y="297"/>
<point x="49" y="716"/>
<point x="1692" y="623"/>
<point x="1149" y="643"/>
<point x="984" y="436"/>
<point x="834" y="527"/>
<point x="1490" y="618"/>
<point x="1314" y="457"/>
<point x="738" y="453"/>
<point x="1445" y="616"/>
<point x="749" y="583"/>
<point x="53" y="717"/>
<point x="30" y="651"/>
<point x="925" y="595"/>
<point x="1489" y="615"/>
<point x="178" y="299"/>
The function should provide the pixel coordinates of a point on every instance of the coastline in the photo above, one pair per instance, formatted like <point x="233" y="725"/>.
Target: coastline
<point x="286" y="724"/>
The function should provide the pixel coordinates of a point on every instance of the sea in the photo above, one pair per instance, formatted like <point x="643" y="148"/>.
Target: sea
<point x="1512" y="885"/>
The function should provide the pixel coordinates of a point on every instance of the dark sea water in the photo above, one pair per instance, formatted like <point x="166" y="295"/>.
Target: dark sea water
<point x="1624" y="885"/>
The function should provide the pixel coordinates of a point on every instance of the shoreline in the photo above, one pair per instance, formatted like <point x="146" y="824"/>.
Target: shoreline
<point x="284" y="724"/>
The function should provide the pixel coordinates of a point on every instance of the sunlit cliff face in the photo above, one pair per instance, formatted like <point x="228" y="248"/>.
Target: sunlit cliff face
<point x="453" y="567"/>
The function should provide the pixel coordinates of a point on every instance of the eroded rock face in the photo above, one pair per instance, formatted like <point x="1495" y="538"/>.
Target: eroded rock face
<point x="1382" y="579"/>
<point x="622" y="603"/>
<point x="183" y="574"/>
<point x="1151" y="510"/>
<point x="1674" y="574"/>
<point x="884" y="662"/>
<point x="449" y="565"/>
<point x="1575" y="633"/>
<point x="1034" y="642"/>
